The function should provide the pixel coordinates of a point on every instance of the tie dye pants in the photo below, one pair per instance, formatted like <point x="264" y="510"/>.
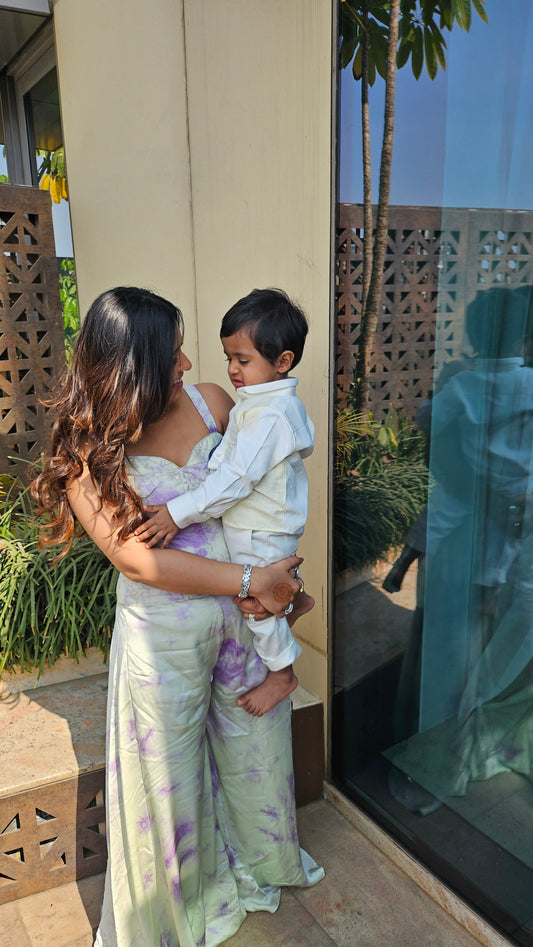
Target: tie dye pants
<point x="200" y="797"/>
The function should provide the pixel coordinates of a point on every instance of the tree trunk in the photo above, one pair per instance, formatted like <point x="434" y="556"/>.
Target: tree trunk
<point x="367" y="163"/>
<point x="370" y="313"/>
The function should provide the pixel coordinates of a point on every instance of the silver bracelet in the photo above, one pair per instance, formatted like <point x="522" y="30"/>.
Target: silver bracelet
<point x="246" y="578"/>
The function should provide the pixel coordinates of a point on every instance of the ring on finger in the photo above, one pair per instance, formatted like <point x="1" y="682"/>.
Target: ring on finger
<point x="299" y="578"/>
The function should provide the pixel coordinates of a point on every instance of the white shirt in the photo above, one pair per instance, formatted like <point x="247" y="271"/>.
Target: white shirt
<point x="486" y="414"/>
<point x="258" y="481"/>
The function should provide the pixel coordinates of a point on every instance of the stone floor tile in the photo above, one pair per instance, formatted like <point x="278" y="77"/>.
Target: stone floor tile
<point x="365" y="899"/>
<point x="12" y="930"/>
<point x="322" y="830"/>
<point x="261" y="928"/>
<point x="52" y="733"/>
<point x="12" y="681"/>
<point x="312" y="936"/>
<point x="64" y="916"/>
<point x="91" y="891"/>
<point x="85" y="941"/>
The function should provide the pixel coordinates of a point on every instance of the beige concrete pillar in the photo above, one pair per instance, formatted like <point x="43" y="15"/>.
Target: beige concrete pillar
<point x="121" y="68"/>
<point x="259" y="86"/>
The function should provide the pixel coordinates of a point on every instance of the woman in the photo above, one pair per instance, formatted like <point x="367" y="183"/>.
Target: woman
<point x="200" y="807"/>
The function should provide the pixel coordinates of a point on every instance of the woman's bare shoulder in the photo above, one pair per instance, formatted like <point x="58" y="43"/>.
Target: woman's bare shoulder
<point x="218" y="401"/>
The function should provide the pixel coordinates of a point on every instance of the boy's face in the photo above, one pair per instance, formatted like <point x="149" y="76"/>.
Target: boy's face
<point x="247" y="367"/>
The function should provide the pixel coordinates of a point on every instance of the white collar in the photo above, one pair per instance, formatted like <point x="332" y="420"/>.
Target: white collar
<point x="285" y="386"/>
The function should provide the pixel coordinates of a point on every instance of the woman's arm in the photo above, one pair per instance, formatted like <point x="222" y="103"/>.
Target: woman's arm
<point x="172" y="570"/>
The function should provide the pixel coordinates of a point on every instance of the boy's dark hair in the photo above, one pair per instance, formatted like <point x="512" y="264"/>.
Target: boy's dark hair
<point x="273" y="322"/>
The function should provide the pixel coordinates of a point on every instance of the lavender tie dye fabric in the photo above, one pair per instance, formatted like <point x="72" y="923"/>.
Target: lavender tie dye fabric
<point x="200" y="795"/>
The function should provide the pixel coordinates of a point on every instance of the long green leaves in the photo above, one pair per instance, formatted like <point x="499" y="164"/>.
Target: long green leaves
<point x="373" y="513"/>
<point x="381" y="485"/>
<point x="68" y="293"/>
<point x="48" y="610"/>
<point x="420" y="41"/>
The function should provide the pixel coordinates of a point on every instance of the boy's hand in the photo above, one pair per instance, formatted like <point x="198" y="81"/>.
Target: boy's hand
<point x="251" y="606"/>
<point x="159" y="529"/>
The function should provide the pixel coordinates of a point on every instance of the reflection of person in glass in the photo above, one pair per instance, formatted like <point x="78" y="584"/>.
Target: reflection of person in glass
<point x="476" y="652"/>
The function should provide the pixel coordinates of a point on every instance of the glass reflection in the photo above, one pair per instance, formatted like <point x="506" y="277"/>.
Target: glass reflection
<point x="433" y="658"/>
<point x="433" y="710"/>
<point x="471" y="641"/>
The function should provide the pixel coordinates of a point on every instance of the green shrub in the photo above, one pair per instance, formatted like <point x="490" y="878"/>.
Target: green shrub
<point x="381" y="485"/>
<point x="48" y="610"/>
<point x="68" y="294"/>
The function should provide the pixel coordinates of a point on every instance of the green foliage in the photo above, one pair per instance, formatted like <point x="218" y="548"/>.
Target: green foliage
<point x="381" y="485"/>
<point x="373" y="514"/>
<point x="52" y="162"/>
<point x="421" y="39"/>
<point x="351" y="428"/>
<point x="48" y="609"/>
<point x="4" y="179"/>
<point x="68" y="294"/>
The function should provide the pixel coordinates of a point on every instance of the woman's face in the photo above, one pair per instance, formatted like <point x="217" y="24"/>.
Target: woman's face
<point x="181" y="364"/>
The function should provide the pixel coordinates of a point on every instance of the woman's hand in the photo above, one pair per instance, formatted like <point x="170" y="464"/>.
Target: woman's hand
<point x="274" y="586"/>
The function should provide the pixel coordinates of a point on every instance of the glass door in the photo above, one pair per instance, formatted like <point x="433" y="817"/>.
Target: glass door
<point x="433" y="640"/>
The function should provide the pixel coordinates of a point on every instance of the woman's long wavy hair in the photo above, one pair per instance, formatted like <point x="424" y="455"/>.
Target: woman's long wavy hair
<point x="120" y="383"/>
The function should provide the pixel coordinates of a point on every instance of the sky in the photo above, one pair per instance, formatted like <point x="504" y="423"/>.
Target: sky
<point x="464" y="139"/>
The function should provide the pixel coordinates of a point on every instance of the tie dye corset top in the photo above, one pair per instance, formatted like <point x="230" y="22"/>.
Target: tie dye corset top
<point x="157" y="480"/>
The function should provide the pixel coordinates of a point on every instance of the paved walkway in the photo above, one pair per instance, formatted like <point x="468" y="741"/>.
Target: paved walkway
<point x="364" y="901"/>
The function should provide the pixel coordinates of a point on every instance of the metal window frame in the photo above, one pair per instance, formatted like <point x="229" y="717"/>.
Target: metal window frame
<point x="35" y="60"/>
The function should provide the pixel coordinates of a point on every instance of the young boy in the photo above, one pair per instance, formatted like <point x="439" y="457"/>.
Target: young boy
<point x="257" y="483"/>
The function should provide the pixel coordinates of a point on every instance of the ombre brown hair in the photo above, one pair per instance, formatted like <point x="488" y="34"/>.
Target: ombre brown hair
<point x="120" y="383"/>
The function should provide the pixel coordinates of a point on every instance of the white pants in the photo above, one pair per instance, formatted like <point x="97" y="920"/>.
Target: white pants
<point x="273" y="640"/>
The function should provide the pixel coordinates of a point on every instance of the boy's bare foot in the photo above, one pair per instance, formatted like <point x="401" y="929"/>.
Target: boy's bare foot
<point x="302" y="603"/>
<point x="276" y="686"/>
